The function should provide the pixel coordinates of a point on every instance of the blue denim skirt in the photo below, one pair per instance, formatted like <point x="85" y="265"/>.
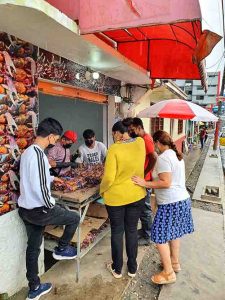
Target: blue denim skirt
<point x="172" y="221"/>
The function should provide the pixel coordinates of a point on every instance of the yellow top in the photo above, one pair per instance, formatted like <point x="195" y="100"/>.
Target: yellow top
<point x="123" y="160"/>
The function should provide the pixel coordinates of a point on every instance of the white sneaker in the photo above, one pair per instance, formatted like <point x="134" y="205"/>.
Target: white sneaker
<point x="132" y="275"/>
<point x="116" y="275"/>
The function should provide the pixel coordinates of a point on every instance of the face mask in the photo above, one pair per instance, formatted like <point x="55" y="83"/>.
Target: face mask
<point x="133" y="135"/>
<point x="88" y="143"/>
<point x="50" y="146"/>
<point x="67" y="146"/>
<point x="157" y="150"/>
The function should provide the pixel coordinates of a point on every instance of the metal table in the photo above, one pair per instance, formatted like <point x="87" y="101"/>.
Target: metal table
<point x="80" y="200"/>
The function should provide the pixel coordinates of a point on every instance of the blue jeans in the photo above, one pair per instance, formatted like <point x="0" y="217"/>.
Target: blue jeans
<point x="146" y="217"/>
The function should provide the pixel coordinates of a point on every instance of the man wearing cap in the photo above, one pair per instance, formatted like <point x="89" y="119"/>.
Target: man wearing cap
<point x="59" y="156"/>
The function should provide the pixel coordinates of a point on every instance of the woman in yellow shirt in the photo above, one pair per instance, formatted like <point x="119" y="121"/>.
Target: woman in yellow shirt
<point x="123" y="199"/>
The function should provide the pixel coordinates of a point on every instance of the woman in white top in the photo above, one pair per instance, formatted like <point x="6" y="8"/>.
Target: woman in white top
<point x="173" y="218"/>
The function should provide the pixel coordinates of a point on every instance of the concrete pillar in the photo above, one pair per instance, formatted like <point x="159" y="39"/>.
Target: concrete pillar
<point x="13" y="243"/>
<point x="111" y="118"/>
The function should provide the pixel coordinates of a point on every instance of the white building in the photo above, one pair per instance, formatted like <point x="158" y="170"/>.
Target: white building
<point x="195" y="91"/>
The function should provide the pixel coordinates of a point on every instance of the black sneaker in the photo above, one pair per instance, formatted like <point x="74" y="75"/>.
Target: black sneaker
<point x="140" y="233"/>
<point x="144" y="242"/>
<point x="43" y="289"/>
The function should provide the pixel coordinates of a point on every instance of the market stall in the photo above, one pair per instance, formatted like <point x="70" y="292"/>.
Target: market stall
<point x="79" y="191"/>
<point x="33" y="85"/>
<point x="78" y="110"/>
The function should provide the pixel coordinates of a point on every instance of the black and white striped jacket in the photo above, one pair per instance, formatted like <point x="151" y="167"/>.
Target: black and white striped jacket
<point x="35" y="179"/>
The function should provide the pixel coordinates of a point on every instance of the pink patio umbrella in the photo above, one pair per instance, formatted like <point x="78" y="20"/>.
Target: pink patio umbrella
<point x="178" y="109"/>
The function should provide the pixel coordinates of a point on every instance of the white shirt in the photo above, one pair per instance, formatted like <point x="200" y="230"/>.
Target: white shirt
<point x="92" y="156"/>
<point x="35" y="179"/>
<point x="168" y="162"/>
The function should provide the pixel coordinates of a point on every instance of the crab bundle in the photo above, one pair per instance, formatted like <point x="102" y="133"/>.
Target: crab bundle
<point x="18" y="113"/>
<point x="85" y="176"/>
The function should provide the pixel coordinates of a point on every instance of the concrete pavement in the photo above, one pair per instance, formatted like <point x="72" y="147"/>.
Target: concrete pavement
<point x="203" y="261"/>
<point x="202" y="258"/>
<point x="211" y="175"/>
<point x="203" y="253"/>
<point x="96" y="282"/>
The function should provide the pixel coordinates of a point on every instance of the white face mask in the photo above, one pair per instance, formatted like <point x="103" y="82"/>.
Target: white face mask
<point x="157" y="149"/>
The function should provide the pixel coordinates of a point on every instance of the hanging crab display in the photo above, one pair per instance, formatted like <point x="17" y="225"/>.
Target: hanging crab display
<point x="18" y="115"/>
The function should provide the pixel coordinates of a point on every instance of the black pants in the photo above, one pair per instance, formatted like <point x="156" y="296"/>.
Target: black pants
<point x="35" y="221"/>
<point x="124" y="219"/>
<point x="146" y="217"/>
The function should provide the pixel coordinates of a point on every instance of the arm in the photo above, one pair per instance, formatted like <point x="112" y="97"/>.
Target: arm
<point x="109" y="173"/>
<point x="52" y="157"/>
<point x="152" y="161"/>
<point x="40" y="186"/>
<point x="80" y="158"/>
<point x="104" y="151"/>
<point x="164" y="181"/>
<point x="65" y="164"/>
<point x="150" y="153"/>
<point x="164" y="172"/>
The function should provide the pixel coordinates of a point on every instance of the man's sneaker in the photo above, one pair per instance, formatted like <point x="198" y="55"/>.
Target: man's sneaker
<point x="67" y="253"/>
<point x="140" y="233"/>
<point x="43" y="289"/>
<point x="132" y="275"/>
<point x="144" y="242"/>
<point x="113" y="272"/>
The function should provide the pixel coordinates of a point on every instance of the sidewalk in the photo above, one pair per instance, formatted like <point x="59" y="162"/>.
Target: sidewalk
<point x="191" y="159"/>
<point x="202" y="253"/>
<point x="96" y="282"/>
<point x="211" y="174"/>
<point x="202" y="258"/>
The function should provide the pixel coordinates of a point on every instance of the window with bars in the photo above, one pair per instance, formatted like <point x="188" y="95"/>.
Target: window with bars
<point x="180" y="126"/>
<point x="157" y="124"/>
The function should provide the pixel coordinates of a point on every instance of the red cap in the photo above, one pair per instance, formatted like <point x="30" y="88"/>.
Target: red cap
<point x="71" y="135"/>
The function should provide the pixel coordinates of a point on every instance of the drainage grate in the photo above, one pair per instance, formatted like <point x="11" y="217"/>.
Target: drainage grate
<point x="213" y="155"/>
<point x="211" y="193"/>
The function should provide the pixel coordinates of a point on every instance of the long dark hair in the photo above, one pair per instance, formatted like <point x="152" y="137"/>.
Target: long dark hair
<point x="165" y="139"/>
<point x="120" y="126"/>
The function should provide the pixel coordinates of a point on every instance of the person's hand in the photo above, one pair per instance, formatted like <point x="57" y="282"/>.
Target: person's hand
<point x="139" y="181"/>
<point x="58" y="180"/>
<point x="52" y="163"/>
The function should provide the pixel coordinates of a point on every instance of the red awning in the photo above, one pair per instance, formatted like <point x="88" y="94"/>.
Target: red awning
<point x="164" y="50"/>
<point x="163" y="37"/>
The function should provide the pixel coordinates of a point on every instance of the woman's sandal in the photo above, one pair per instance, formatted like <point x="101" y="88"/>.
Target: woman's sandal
<point x="176" y="267"/>
<point x="164" y="278"/>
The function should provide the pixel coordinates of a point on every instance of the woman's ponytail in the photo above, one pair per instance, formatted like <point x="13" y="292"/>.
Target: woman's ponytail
<point x="178" y="153"/>
<point x="165" y="139"/>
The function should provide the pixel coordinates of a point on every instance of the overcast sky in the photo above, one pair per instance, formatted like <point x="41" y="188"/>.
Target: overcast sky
<point x="213" y="20"/>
